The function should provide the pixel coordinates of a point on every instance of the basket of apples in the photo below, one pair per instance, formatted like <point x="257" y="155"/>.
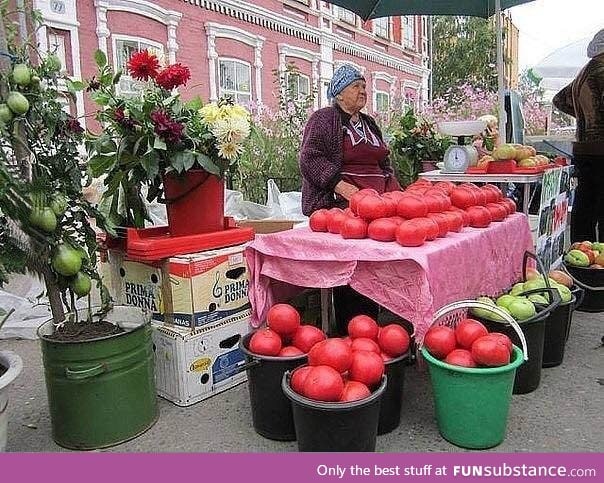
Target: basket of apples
<point x="584" y="262"/>
<point x="472" y="371"/>
<point x="336" y="397"/>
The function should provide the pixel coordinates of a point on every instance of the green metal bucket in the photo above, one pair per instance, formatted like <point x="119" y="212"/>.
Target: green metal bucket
<point x="101" y="392"/>
<point x="472" y="404"/>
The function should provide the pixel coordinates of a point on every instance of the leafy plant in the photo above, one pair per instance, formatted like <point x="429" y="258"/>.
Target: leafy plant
<point x="42" y="209"/>
<point x="148" y="136"/>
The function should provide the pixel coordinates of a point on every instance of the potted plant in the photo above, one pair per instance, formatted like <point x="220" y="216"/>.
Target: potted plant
<point x="415" y="144"/>
<point x="178" y="151"/>
<point x="98" y="363"/>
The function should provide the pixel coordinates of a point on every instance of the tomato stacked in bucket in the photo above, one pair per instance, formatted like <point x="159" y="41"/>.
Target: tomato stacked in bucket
<point x="421" y="213"/>
<point x="339" y="369"/>
<point x="470" y="344"/>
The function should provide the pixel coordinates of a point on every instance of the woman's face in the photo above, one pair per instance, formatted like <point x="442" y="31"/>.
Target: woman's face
<point x="354" y="97"/>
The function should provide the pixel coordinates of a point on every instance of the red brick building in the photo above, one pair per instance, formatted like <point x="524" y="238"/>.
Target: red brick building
<point x="234" y="46"/>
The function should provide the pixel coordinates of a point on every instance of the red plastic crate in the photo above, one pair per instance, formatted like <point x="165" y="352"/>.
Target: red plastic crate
<point x="501" y="167"/>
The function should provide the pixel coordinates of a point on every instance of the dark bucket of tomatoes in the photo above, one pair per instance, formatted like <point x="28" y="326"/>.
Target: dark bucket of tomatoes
<point x="271" y="410"/>
<point x="392" y="400"/>
<point x="335" y="426"/>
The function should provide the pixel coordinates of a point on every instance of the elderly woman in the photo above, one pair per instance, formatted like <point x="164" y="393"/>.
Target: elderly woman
<point x="343" y="151"/>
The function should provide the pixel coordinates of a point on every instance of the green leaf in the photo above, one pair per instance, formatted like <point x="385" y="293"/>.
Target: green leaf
<point x="195" y="104"/>
<point x="159" y="144"/>
<point x="151" y="165"/>
<point x="100" y="58"/>
<point x="206" y="163"/>
<point x="100" y="98"/>
<point x="75" y="86"/>
<point x="100" y="164"/>
<point x="117" y="77"/>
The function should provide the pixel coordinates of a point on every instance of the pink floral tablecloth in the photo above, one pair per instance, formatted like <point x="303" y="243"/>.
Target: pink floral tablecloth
<point x="411" y="282"/>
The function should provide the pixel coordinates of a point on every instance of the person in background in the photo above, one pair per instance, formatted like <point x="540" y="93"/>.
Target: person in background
<point x="584" y="100"/>
<point x="343" y="151"/>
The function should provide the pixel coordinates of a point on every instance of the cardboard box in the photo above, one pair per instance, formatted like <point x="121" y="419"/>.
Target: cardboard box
<point x="187" y="290"/>
<point x="191" y="366"/>
<point x="263" y="227"/>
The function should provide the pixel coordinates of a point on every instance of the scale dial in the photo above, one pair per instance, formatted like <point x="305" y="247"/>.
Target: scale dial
<point x="457" y="159"/>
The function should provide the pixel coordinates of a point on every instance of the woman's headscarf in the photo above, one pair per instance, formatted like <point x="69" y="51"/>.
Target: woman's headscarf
<point x="342" y="78"/>
<point x="596" y="46"/>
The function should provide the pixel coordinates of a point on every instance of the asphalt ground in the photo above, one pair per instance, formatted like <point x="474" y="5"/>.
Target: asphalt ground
<point x="565" y="414"/>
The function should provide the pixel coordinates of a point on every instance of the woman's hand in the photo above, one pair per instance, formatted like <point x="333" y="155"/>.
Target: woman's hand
<point x="345" y="190"/>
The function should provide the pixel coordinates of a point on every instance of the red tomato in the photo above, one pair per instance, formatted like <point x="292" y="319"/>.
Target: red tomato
<point x="331" y="352"/>
<point x="283" y="319"/>
<point x="481" y="197"/>
<point x="464" y="215"/>
<point x="434" y="203"/>
<point x="306" y="337"/>
<point x="390" y="205"/>
<point x="290" y="351"/>
<point x="430" y="225"/>
<point x="467" y="331"/>
<point x="393" y="340"/>
<point x="511" y="206"/>
<point x="496" y="191"/>
<point x="491" y="196"/>
<point x="440" y="340"/>
<point x="354" y="391"/>
<point x="382" y="229"/>
<point x="356" y="197"/>
<point x="366" y="367"/>
<point x="298" y="378"/>
<point x="460" y="357"/>
<point x="372" y="207"/>
<point x="443" y="223"/>
<point x="347" y="339"/>
<point x="480" y="217"/>
<point x="397" y="219"/>
<point x="365" y="344"/>
<point x="318" y="220"/>
<point x="336" y="219"/>
<point x="490" y="351"/>
<point x="265" y="342"/>
<point x="409" y="234"/>
<point x="455" y="220"/>
<point x="498" y="212"/>
<point x="354" y="228"/>
<point x="503" y="338"/>
<point x="323" y="383"/>
<point x="445" y="186"/>
<point x="394" y="195"/>
<point x="363" y="326"/>
<point x="411" y="207"/>
<point x="462" y="198"/>
<point x="385" y="357"/>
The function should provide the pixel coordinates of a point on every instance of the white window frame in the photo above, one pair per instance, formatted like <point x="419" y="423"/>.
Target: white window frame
<point x="408" y="31"/>
<point x="234" y="92"/>
<point x="345" y="15"/>
<point x="125" y="76"/>
<point x="378" y="27"/>
<point x="299" y="76"/>
<point x="58" y="48"/>
<point x="375" y="101"/>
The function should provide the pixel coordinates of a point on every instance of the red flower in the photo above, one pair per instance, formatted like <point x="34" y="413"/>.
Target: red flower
<point x="74" y="126"/>
<point x="166" y="128"/>
<point x="143" y="65"/>
<point x="173" y="76"/>
<point x="120" y="117"/>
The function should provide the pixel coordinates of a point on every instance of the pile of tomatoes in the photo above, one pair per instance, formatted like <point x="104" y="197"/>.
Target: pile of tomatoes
<point x="470" y="344"/>
<point x="423" y="212"/>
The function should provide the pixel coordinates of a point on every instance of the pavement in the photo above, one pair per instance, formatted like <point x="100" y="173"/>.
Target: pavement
<point x="565" y="414"/>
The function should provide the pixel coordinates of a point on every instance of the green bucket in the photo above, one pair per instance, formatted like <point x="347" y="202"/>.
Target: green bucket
<point x="101" y="392"/>
<point x="472" y="404"/>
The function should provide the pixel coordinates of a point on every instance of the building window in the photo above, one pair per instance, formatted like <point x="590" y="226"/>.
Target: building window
<point x="124" y="48"/>
<point x="56" y="45"/>
<point x="345" y="15"/>
<point x="425" y="26"/>
<point x="235" y="79"/>
<point x="381" y="27"/>
<point x="409" y="31"/>
<point x="382" y="101"/>
<point x="298" y="85"/>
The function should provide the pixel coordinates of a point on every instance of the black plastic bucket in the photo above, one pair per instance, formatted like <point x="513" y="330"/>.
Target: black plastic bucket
<point x="392" y="399"/>
<point x="557" y="328"/>
<point x="591" y="277"/>
<point x="528" y="375"/>
<point x="335" y="427"/>
<point x="271" y="410"/>
<point x="578" y="294"/>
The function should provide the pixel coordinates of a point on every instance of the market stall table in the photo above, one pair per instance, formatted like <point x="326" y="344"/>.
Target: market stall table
<point x="521" y="179"/>
<point x="411" y="282"/>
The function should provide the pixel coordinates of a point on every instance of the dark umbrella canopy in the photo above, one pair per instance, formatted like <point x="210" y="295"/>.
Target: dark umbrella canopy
<point x="367" y="9"/>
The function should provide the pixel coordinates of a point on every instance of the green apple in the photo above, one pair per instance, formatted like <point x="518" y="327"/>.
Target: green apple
<point x="565" y="294"/>
<point x="482" y="312"/>
<point x="518" y="288"/>
<point x="504" y="151"/>
<point x="577" y="258"/>
<point x="496" y="317"/>
<point x="598" y="246"/>
<point x="538" y="299"/>
<point x="522" y="309"/>
<point x="534" y="284"/>
<point x="505" y="300"/>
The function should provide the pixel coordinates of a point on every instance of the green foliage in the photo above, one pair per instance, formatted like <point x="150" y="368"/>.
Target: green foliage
<point x="413" y="139"/>
<point x="464" y="52"/>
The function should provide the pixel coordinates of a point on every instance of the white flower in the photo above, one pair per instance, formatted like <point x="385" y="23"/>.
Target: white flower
<point x="229" y="150"/>
<point x="234" y="130"/>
